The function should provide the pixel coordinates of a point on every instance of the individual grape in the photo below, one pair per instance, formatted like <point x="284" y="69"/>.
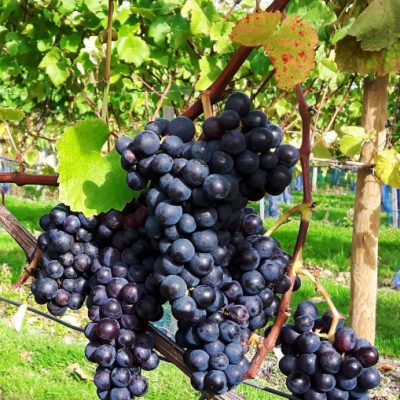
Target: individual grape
<point x="120" y="377"/>
<point x="323" y="382"/>
<point x="138" y="386"/>
<point x="370" y="378"/>
<point x="287" y="155"/>
<point x="238" y="102"/>
<point x="368" y="356"/>
<point x="146" y="143"/>
<point x="173" y="287"/>
<point x="247" y="162"/>
<point x="233" y="142"/>
<point x="102" y="379"/>
<point x="229" y="331"/>
<point x="172" y="145"/>
<point x="345" y="340"/>
<point x="215" y="382"/>
<point x="337" y="394"/>
<point x="198" y="360"/>
<point x="288" y="364"/>
<point x="107" y="329"/>
<point x="277" y="134"/>
<point x="307" y="363"/>
<point x="351" y="367"/>
<point x="308" y="342"/>
<point x="330" y="361"/>
<point x="168" y="213"/>
<point x="298" y="382"/>
<point x="219" y="361"/>
<point x="229" y="120"/>
<point x="304" y="323"/>
<point x="212" y="128"/>
<point x="120" y="394"/>
<point x="260" y="140"/>
<point x="216" y="187"/>
<point x="182" y="127"/>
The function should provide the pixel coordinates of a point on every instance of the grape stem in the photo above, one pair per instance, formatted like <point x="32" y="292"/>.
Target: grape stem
<point x="297" y="258"/>
<point x="206" y="102"/>
<point x="336" y="316"/>
<point x="302" y="208"/>
<point x="107" y="71"/>
<point x="28" y="271"/>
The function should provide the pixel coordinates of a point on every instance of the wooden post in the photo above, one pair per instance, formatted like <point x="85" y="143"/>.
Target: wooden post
<point x="314" y="179"/>
<point x="262" y="208"/>
<point x="364" y="258"/>
<point x="395" y="210"/>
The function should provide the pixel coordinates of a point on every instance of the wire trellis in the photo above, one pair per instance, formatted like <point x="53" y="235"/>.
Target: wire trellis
<point x="162" y="358"/>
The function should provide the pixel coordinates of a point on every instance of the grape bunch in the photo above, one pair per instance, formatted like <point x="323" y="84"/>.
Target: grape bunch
<point x="197" y="192"/>
<point x="121" y="302"/>
<point x="67" y="255"/>
<point x="317" y="369"/>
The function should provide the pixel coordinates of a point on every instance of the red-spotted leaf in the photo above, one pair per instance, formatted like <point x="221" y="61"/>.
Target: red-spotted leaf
<point x="255" y="29"/>
<point x="291" y="50"/>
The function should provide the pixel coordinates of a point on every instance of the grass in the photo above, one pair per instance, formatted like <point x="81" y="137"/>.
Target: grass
<point x="36" y="363"/>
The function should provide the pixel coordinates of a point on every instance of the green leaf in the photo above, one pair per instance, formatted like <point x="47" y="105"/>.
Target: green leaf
<point x="351" y="58"/>
<point x="70" y="42"/>
<point x="199" y="23"/>
<point x="209" y="72"/>
<point x="255" y="29"/>
<point x="56" y="66"/>
<point x="351" y="139"/>
<point x="320" y="150"/>
<point x="387" y="167"/>
<point x="133" y="49"/>
<point x="90" y="182"/>
<point x="10" y="114"/>
<point x="378" y="26"/>
<point x="158" y="30"/>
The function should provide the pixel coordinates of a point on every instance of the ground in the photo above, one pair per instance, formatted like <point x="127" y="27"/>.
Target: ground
<point x="45" y="360"/>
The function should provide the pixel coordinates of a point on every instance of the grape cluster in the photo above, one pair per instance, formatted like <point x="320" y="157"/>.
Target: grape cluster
<point x="317" y="369"/>
<point x="196" y="197"/>
<point x="121" y="302"/>
<point x="67" y="255"/>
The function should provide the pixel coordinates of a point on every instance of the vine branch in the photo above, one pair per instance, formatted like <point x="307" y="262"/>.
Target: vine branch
<point x="297" y="259"/>
<point x="107" y="71"/>
<point x="22" y="178"/>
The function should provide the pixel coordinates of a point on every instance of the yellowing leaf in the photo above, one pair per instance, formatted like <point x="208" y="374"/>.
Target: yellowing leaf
<point x="387" y="167"/>
<point x="90" y="182"/>
<point x="255" y="29"/>
<point x="291" y="50"/>
<point x="350" y="57"/>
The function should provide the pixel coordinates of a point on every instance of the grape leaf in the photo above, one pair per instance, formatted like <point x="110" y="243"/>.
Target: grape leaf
<point x="291" y="50"/>
<point x="351" y="140"/>
<point x="132" y="49"/>
<point x="350" y="57"/>
<point x="56" y="66"/>
<point x="90" y="182"/>
<point x="10" y="114"/>
<point x="320" y="149"/>
<point x="199" y="23"/>
<point x="387" y="167"/>
<point x="255" y="29"/>
<point x="378" y="26"/>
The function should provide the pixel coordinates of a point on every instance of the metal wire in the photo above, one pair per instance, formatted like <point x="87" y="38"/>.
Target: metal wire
<point x="43" y="314"/>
